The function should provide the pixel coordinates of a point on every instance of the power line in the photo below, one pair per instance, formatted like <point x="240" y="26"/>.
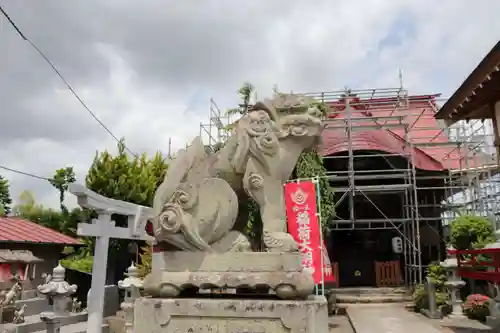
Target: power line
<point x="24" y="173"/>
<point x="47" y="60"/>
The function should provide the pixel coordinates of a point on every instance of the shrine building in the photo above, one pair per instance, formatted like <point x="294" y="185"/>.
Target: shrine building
<point x="29" y="249"/>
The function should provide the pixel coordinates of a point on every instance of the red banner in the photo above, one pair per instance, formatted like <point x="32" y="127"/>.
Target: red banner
<point x="300" y="201"/>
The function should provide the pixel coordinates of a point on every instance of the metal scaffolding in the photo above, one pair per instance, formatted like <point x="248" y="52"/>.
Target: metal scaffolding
<point x="427" y="200"/>
<point x="215" y="132"/>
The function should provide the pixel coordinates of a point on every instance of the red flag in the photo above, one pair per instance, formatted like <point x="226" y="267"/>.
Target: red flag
<point x="300" y="201"/>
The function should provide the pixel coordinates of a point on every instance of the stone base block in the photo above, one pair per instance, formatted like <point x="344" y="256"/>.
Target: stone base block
<point x="7" y="314"/>
<point x="231" y="315"/>
<point x="174" y="272"/>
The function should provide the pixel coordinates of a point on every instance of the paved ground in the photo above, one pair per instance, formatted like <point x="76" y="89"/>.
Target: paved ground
<point x="394" y="318"/>
<point x="387" y="318"/>
<point x="339" y="324"/>
<point x="459" y="326"/>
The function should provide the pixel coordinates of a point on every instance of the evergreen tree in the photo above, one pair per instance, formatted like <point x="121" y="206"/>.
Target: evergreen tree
<point x="131" y="179"/>
<point x="5" y="199"/>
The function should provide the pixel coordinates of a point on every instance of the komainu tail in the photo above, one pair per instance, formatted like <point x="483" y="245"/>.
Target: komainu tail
<point x="177" y="171"/>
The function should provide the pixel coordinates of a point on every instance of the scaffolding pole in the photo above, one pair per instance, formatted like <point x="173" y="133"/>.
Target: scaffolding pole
<point x="464" y="177"/>
<point x="467" y="180"/>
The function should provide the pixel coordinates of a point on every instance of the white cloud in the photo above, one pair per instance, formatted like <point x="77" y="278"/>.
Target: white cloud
<point x="155" y="66"/>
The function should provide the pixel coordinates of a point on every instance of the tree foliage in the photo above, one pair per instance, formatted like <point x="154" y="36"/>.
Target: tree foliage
<point x="129" y="178"/>
<point x="310" y="165"/>
<point x="64" y="222"/>
<point x="79" y="263"/>
<point x="471" y="232"/>
<point x="61" y="180"/>
<point x="5" y="199"/>
<point x="146" y="259"/>
<point x="245" y="94"/>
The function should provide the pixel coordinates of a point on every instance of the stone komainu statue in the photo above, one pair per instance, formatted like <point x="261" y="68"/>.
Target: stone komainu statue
<point x="197" y="207"/>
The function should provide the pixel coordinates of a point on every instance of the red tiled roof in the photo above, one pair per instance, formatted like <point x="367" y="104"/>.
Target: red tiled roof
<point x="13" y="229"/>
<point x="430" y="152"/>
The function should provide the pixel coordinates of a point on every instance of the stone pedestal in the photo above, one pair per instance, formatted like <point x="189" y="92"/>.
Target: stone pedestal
<point x="7" y="314"/>
<point x="231" y="315"/>
<point x="174" y="272"/>
<point x="52" y="322"/>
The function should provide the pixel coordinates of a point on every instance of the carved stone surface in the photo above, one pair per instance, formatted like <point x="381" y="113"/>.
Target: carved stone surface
<point x="196" y="208"/>
<point x="230" y="316"/>
<point x="179" y="271"/>
<point x="181" y="261"/>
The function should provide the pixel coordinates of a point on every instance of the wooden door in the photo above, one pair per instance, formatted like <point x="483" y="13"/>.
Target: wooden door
<point x="388" y="273"/>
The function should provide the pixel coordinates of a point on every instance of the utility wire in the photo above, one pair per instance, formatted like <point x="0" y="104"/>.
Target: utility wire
<point x="47" y="60"/>
<point x="24" y="173"/>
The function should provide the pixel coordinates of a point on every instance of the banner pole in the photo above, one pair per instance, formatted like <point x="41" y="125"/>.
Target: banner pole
<point x="318" y="214"/>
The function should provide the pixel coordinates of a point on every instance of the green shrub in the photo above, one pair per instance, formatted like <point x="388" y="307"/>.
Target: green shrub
<point x="437" y="275"/>
<point x="471" y="232"/>
<point x="420" y="298"/>
<point x="81" y="264"/>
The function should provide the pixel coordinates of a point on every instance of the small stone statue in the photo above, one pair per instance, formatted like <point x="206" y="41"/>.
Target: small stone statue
<point x="76" y="306"/>
<point x="3" y="293"/>
<point x="46" y="277"/>
<point x="17" y="280"/>
<point x="11" y="295"/>
<point x="19" y="315"/>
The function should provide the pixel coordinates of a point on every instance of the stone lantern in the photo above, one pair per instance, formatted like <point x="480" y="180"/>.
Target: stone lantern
<point x="59" y="291"/>
<point x="454" y="283"/>
<point x="132" y="286"/>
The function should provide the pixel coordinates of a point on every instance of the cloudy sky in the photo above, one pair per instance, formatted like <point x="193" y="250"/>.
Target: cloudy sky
<point x="148" y="68"/>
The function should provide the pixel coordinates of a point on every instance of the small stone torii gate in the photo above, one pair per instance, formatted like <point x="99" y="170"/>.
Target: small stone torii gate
<point x="103" y="228"/>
